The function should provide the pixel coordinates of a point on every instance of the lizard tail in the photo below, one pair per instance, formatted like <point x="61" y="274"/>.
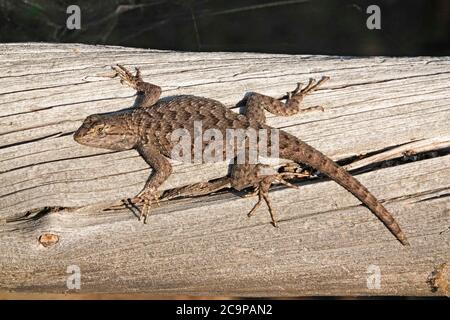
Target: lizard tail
<point x="296" y="150"/>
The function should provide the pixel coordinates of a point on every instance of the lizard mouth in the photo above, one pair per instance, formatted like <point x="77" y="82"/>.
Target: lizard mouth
<point x="79" y="134"/>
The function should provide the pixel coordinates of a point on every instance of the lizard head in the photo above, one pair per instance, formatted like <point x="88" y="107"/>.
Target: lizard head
<point x="106" y="131"/>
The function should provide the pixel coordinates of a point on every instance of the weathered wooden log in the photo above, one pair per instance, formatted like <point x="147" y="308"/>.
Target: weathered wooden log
<point x="389" y="117"/>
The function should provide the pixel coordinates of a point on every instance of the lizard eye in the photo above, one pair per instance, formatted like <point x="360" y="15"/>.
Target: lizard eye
<point x="100" y="130"/>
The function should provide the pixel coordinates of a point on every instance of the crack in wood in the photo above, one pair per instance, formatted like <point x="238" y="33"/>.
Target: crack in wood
<point x="38" y="213"/>
<point x="60" y="105"/>
<point x="43" y="88"/>
<point x="52" y="72"/>
<point x="393" y="159"/>
<point x="321" y="178"/>
<point x="28" y="141"/>
<point x="389" y="80"/>
<point x="440" y="196"/>
<point x="58" y="160"/>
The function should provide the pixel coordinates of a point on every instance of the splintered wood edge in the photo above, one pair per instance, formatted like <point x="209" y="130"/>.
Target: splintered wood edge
<point x="330" y="246"/>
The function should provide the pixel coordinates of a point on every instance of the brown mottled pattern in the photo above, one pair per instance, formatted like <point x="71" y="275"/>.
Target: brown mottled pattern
<point x="296" y="150"/>
<point x="149" y="126"/>
<point x="180" y="112"/>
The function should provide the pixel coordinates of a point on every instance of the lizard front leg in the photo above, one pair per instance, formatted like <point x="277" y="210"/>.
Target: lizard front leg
<point x="147" y="93"/>
<point x="161" y="171"/>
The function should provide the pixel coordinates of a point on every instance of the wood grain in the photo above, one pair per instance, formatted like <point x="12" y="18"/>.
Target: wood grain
<point x="376" y="109"/>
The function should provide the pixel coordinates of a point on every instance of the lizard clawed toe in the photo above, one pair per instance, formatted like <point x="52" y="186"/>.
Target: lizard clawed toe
<point x="126" y="77"/>
<point x="144" y="212"/>
<point x="310" y="87"/>
<point x="147" y="198"/>
<point x="299" y="92"/>
<point x="262" y="191"/>
<point x="264" y="196"/>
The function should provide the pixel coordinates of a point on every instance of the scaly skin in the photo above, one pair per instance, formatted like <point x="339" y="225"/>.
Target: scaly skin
<point x="148" y="128"/>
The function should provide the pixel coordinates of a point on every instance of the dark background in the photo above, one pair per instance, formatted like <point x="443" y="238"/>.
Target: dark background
<point x="417" y="27"/>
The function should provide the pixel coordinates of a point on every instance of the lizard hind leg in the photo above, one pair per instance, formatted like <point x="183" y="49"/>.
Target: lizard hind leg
<point x="261" y="177"/>
<point x="262" y="190"/>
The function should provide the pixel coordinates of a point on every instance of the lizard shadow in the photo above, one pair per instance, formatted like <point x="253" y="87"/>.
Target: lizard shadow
<point x="128" y="204"/>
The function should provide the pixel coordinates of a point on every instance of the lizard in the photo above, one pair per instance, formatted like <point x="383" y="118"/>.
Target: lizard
<point x="148" y="125"/>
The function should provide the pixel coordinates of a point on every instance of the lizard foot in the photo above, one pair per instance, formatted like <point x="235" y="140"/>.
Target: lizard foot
<point x="310" y="87"/>
<point x="299" y="92"/>
<point x="262" y="191"/>
<point x="126" y="77"/>
<point x="147" y="197"/>
<point x="294" y="167"/>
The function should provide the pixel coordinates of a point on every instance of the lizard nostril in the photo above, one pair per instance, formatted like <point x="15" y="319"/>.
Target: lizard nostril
<point x="78" y="135"/>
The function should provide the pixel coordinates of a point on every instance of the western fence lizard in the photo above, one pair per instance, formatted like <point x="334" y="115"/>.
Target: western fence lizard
<point x="150" y="124"/>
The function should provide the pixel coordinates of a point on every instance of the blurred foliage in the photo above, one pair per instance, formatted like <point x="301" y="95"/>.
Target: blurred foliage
<point x="415" y="27"/>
